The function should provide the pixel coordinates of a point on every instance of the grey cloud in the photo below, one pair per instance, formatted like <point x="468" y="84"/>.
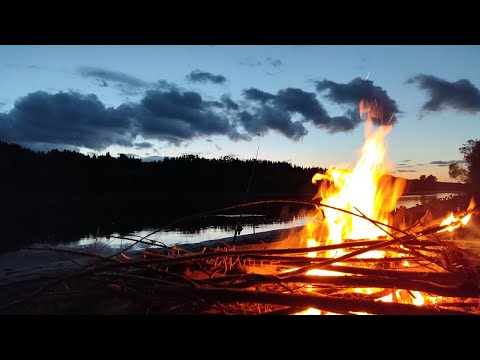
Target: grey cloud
<point x="460" y="95"/>
<point x="257" y="95"/>
<point x="203" y="77"/>
<point x="406" y="171"/>
<point x="143" y="145"/>
<point x="72" y="119"/>
<point x="359" y="89"/>
<point x="114" y="76"/>
<point x="229" y="103"/>
<point x="64" y="119"/>
<point x="446" y="163"/>
<point x="125" y="83"/>
<point x="276" y="112"/>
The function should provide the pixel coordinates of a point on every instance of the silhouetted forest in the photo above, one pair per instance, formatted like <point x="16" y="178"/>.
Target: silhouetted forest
<point x="429" y="184"/>
<point x="65" y="195"/>
<point x="61" y="196"/>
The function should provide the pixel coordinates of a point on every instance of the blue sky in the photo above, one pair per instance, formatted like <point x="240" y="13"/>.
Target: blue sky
<point x="437" y="112"/>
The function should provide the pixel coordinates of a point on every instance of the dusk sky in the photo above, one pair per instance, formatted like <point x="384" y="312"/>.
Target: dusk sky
<point x="213" y="101"/>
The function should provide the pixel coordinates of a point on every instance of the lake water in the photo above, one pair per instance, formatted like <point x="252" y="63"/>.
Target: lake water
<point x="412" y="200"/>
<point x="175" y="237"/>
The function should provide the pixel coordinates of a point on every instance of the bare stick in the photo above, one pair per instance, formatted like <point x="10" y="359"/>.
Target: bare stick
<point x="328" y="303"/>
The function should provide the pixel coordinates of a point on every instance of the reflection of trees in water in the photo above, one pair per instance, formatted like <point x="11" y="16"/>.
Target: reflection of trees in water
<point x="274" y="214"/>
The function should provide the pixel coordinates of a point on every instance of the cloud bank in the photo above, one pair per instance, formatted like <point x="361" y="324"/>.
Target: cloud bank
<point x="73" y="120"/>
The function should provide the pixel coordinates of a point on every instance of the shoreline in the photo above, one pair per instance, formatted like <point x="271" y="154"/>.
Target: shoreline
<point x="32" y="264"/>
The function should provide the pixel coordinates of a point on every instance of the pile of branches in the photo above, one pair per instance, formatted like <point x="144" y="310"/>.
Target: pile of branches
<point x="270" y="279"/>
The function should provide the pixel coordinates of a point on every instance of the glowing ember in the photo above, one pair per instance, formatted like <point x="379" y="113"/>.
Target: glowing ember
<point x="321" y="272"/>
<point x="312" y="243"/>
<point x="309" y="311"/>
<point x="455" y="222"/>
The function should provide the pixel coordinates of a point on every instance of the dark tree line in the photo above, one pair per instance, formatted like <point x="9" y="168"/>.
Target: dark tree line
<point x="72" y="172"/>
<point x="62" y="194"/>
<point x="469" y="170"/>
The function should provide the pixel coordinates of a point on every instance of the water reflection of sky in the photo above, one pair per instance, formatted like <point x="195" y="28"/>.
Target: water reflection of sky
<point x="413" y="200"/>
<point x="175" y="237"/>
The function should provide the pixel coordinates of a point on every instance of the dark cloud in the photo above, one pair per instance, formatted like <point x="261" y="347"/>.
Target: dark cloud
<point x="406" y="171"/>
<point x="63" y="120"/>
<point x="359" y="89"/>
<point x="460" y="95"/>
<point x="274" y="62"/>
<point x="229" y="103"/>
<point x="218" y="147"/>
<point x="408" y="160"/>
<point x="175" y="117"/>
<point x="72" y="120"/>
<point x="41" y="120"/>
<point x="302" y="102"/>
<point x="143" y="145"/>
<point x="257" y="95"/>
<point x="446" y="163"/>
<point x="203" y="77"/>
<point x="127" y="84"/>
<point x="405" y="165"/>
<point x="114" y="76"/>
<point x="276" y="112"/>
<point x="209" y="140"/>
<point x="268" y="118"/>
<point x="216" y="104"/>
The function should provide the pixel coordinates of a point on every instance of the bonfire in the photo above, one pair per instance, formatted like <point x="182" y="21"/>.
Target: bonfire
<point x="356" y="255"/>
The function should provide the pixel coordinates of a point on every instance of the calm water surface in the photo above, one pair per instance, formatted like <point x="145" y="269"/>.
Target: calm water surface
<point x="175" y="237"/>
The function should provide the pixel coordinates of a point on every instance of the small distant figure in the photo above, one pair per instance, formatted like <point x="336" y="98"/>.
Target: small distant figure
<point x="238" y="230"/>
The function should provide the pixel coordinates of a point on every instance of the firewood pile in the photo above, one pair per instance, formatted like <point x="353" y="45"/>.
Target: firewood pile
<point x="421" y="272"/>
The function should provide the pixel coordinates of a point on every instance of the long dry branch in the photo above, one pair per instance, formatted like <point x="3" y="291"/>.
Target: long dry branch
<point x="327" y="303"/>
<point x="383" y="282"/>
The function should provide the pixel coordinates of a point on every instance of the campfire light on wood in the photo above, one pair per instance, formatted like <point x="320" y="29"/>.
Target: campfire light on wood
<point x="367" y="191"/>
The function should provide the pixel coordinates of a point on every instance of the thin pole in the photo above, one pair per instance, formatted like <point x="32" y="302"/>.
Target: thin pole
<point x="238" y="226"/>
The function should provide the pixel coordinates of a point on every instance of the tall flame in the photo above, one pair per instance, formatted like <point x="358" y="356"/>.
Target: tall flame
<point x="369" y="191"/>
<point x="366" y="188"/>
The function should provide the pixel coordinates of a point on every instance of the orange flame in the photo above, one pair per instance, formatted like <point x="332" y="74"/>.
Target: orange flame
<point x="369" y="191"/>
<point x="367" y="188"/>
<point x="457" y="222"/>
